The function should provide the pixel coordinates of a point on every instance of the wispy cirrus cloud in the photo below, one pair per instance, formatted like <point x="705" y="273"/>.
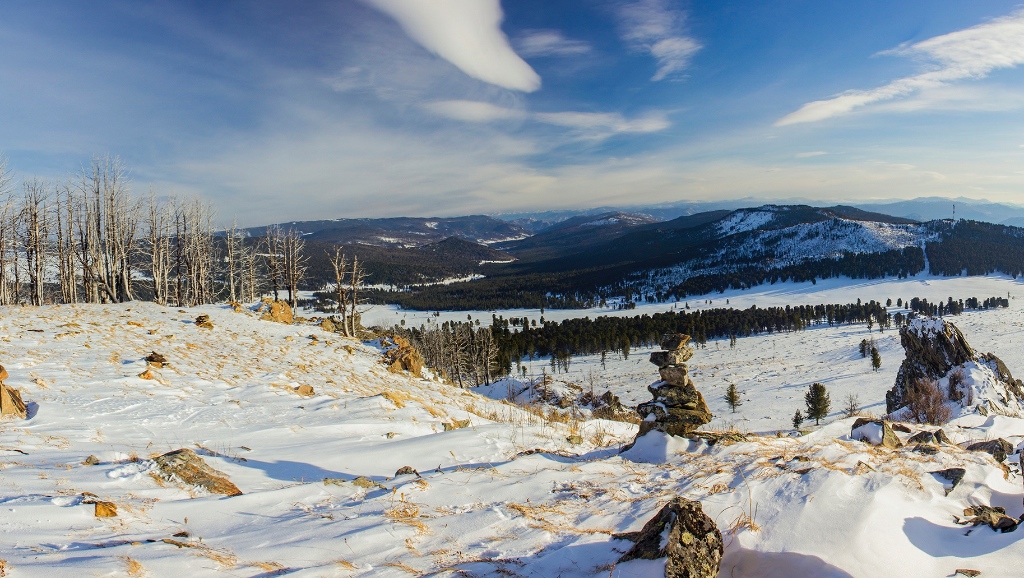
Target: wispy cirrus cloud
<point x="466" y="33"/>
<point x="586" y="124"/>
<point x="653" y="26"/>
<point x="539" y="43"/>
<point x="968" y="54"/>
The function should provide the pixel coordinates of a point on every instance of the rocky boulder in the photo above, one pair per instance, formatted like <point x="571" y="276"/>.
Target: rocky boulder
<point x="997" y="448"/>
<point x="875" y="432"/>
<point x="277" y="311"/>
<point x="936" y="351"/>
<point x="186" y="467"/>
<point x="11" y="403"/>
<point x="686" y="536"/>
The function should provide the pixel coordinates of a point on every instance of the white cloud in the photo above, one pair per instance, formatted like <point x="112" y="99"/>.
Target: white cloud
<point x="587" y="124"/>
<point x="968" y="54"/>
<point x="652" y="26"/>
<point x="534" y="43"/>
<point x="810" y="154"/>
<point x="466" y="33"/>
<point x="473" y="111"/>
<point x="604" y="121"/>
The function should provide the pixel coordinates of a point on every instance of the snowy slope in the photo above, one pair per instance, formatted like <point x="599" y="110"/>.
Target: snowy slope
<point x="781" y="247"/>
<point x="486" y="505"/>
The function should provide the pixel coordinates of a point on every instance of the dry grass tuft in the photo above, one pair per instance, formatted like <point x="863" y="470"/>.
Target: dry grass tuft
<point x="133" y="567"/>
<point x="396" y="397"/>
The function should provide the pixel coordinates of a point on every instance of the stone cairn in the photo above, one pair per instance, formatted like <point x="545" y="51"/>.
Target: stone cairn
<point x="677" y="408"/>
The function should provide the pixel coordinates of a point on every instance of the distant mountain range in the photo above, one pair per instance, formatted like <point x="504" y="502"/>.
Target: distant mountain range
<point x="404" y="231"/>
<point x="582" y="259"/>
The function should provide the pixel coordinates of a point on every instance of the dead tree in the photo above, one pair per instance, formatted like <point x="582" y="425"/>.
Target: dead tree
<point x="8" y="252"/>
<point x="274" y="247"/>
<point x="356" y="280"/>
<point x="64" y="217"/>
<point x="234" y="246"/>
<point x="339" y="263"/>
<point x="158" y="232"/>
<point x="106" y="224"/>
<point x="34" y="233"/>
<point x="295" y="264"/>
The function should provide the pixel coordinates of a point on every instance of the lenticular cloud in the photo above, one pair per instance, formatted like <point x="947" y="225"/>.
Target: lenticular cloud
<point x="466" y="33"/>
<point x="971" y="53"/>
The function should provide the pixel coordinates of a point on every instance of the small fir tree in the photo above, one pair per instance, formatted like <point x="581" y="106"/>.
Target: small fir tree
<point x="798" y="419"/>
<point x="732" y="397"/>
<point x="818" y="402"/>
<point x="876" y="359"/>
<point x="863" y="347"/>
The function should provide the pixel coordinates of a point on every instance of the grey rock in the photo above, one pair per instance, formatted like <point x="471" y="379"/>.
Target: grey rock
<point x="998" y="448"/>
<point x="684" y="534"/>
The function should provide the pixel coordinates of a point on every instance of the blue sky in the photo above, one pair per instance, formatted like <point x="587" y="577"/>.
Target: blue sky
<point x="284" y="110"/>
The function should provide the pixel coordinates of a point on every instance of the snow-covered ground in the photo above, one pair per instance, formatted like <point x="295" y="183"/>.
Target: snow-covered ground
<point x="488" y="503"/>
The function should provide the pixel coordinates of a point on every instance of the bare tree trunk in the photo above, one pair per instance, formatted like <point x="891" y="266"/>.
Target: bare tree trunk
<point x="358" y="276"/>
<point x="339" y="262"/>
<point x="295" y="264"/>
<point x="8" y="254"/>
<point x="274" y="248"/>
<point x="34" y="234"/>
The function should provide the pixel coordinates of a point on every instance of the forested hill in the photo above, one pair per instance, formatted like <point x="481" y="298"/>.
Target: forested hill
<point x="744" y="248"/>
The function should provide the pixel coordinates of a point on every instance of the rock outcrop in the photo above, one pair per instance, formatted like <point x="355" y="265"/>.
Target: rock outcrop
<point x="686" y="536"/>
<point x="10" y="399"/>
<point x="403" y="357"/>
<point x="677" y="408"/>
<point x="277" y="311"/>
<point x="204" y="322"/>
<point x="937" y="351"/>
<point x="185" y="466"/>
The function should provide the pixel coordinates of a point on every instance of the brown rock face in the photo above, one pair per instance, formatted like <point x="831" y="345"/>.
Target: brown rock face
<point x="204" y="322"/>
<point x="677" y="408"/>
<point x="3" y="373"/>
<point x="327" y="325"/>
<point x="684" y="534"/>
<point x="278" y="311"/>
<point x="404" y="357"/>
<point x="105" y="509"/>
<point x="305" y="390"/>
<point x="186" y="466"/>
<point x="11" y="403"/>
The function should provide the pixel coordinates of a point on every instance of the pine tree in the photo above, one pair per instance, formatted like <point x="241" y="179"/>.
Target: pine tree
<point x="863" y="347"/>
<point x="798" y="419"/>
<point x="732" y="398"/>
<point x="818" y="402"/>
<point x="876" y="359"/>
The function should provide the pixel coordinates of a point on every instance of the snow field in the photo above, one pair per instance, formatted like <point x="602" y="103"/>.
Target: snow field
<point x="487" y="504"/>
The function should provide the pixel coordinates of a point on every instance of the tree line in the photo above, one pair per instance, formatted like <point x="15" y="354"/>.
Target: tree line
<point x="88" y="239"/>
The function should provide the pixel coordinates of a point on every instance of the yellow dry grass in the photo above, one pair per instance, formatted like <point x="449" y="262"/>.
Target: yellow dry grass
<point x="396" y="397"/>
<point x="133" y="567"/>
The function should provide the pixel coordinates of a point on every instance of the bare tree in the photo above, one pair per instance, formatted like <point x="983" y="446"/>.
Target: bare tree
<point x="356" y="280"/>
<point x="8" y="252"/>
<point x="107" y="225"/>
<point x="234" y="247"/>
<point x="34" y="235"/>
<point x="158" y="232"/>
<point x="64" y="215"/>
<point x="295" y="264"/>
<point x="274" y="246"/>
<point x="339" y="263"/>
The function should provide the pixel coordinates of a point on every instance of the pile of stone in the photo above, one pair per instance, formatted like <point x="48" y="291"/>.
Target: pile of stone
<point x="677" y="408"/>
